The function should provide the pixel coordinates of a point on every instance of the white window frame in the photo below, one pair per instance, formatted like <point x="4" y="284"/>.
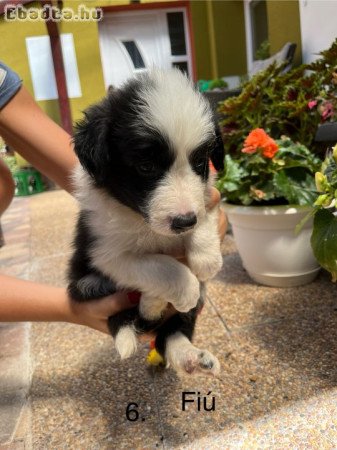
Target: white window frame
<point x="249" y="35"/>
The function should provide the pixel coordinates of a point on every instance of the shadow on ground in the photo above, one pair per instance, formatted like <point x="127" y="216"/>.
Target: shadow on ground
<point x="289" y="356"/>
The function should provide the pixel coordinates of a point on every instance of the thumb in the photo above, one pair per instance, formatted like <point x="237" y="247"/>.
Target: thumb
<point x="113" y="304"/>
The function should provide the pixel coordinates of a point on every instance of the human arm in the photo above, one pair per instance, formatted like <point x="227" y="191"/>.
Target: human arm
<point x="7" y="187"/>
<point x="28" y="301"/>
<point x="29" y="131"/>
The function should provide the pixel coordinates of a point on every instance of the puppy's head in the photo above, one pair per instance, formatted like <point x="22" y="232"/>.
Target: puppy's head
<point x="148" y="145"/>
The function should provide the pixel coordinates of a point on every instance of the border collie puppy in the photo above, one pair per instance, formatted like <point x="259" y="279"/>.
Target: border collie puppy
<point x="143" y="185"/>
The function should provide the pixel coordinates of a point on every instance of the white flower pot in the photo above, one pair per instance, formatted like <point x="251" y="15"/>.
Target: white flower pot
<point x="270" y="250"/>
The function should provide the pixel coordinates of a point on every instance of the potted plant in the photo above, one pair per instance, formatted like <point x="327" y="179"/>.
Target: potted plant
<point x="324" y="236"/>
<point x="268" y="189"/>
<point x="275" y="184"/>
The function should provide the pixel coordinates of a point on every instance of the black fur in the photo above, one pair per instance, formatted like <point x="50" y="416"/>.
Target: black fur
<point x="111" y="150"/>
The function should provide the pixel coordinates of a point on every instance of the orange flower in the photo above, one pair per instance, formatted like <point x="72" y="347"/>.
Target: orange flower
<point x="259" y="139"/>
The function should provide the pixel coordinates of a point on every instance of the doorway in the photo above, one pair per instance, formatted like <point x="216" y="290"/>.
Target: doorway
<point x="131" y="42"/>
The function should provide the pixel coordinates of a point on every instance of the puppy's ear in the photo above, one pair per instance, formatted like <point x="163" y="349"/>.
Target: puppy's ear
<point x="218" y="154"/>
<point x="90" y="140"/>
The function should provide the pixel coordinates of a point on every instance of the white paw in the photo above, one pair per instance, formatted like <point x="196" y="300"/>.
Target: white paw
<point x="151" y="308"/>
<point x="188" y="295"/>
<point x="193" y="361"/>
<point x="126" y="342"/>
<point x="199" y="361"/>
<point x="205" y="266"/>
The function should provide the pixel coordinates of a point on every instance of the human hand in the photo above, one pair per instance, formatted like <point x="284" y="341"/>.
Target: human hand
<point x="222" y="221"/>
<point x="95" y="313"/>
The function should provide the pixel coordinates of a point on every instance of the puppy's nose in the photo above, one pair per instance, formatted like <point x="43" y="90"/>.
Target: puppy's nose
<point x="183" y="222"/>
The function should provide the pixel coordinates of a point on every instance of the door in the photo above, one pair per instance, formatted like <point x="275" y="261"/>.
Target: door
<point x="132" y="42"/>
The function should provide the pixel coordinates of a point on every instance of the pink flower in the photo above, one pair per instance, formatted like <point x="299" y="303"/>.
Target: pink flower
<point x="327" y="110"/>
<point x="312" y="104"/>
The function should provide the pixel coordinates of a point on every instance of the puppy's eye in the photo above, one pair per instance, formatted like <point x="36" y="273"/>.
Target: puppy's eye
<point x="147" y="168"/>
<point x="199" y="165"/>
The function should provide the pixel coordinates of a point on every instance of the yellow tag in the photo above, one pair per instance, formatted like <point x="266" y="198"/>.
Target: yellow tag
<point x="154" y="358"/>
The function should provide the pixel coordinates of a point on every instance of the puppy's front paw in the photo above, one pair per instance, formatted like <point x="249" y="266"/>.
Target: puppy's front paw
<point x="205" y="266"/>
<point x="188" y="295"/>
<point x="151" y="308"/>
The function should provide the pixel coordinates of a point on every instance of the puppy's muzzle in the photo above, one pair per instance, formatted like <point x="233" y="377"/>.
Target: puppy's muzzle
<point x="183" y="222"/>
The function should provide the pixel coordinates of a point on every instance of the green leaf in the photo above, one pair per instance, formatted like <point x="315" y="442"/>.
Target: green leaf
<point x="232" y="176"/>
<point x="324" y="241"/>
<point x="296" y="186"/>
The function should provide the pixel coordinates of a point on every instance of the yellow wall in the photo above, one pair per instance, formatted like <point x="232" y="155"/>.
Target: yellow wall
<point x="13" y="53"/>
<point x="284" y="26"/>
<point x="228" y="40"/>
<point x="203" y="59"/>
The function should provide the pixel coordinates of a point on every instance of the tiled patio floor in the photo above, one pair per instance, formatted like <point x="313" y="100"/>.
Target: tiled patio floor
<point x="277" y="348"/>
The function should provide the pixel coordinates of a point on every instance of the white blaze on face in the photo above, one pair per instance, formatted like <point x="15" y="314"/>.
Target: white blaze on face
<point x="180" y="192"/>
<point x="173" y="108"/>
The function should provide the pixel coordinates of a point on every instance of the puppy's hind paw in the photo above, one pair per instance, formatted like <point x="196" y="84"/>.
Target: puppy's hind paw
<point x="184" y="357"/>
<point x="199" y="361"/>
<point x="126" y="342"/>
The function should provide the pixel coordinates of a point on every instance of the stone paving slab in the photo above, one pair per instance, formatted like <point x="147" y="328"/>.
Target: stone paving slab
<point x="15" y="376"/>
<point x="15" y="371"/>
<point x="277" y="348"/>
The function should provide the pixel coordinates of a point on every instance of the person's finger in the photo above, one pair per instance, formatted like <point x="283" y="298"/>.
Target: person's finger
<point x="214" y="199"/>
<point x="112" y="304"/>
<point x="222" y="224"/>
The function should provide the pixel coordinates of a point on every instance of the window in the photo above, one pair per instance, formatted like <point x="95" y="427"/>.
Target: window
<point x="134" y="53"/>
<point x="259" y="24"/>
<point x="177" y="34"/>
<point x="175" y="22"/>
<point x="181" y="66"/>
<point x="42" y="67"/>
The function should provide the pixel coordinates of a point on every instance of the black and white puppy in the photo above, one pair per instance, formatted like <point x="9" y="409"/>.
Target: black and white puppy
<point x="143" y="186"/>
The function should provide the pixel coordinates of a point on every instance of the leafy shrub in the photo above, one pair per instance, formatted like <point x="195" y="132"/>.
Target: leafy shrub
<point x="281" y="103"/>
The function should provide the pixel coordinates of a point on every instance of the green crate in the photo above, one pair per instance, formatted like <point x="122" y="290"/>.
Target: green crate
<point x="28" y="181"/>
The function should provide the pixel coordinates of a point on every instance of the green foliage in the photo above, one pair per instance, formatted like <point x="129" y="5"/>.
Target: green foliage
<point x="287" y="178"/>
<point x="263" y="52"/>
<point x="279" y="103"/>
<point x="326" y="181"/>
<point x="11" y="163"/>
<point x="324" y="236"/>
<point x="324" y="241"/>
<point x="218" y="83"/>
<point x="209" y="85"/>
